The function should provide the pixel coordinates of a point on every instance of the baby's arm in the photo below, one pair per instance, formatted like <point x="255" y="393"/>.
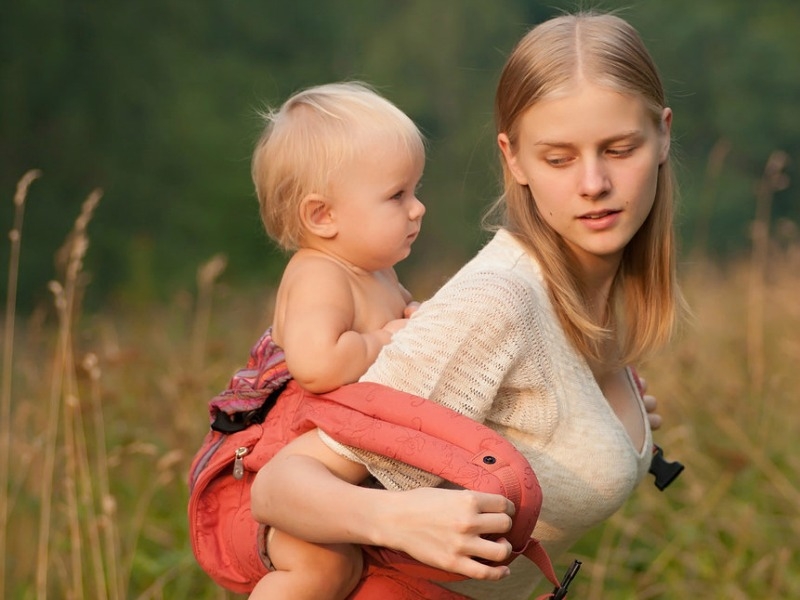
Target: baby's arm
<point x="442" y="528"/>
<point x="323" y="351"/>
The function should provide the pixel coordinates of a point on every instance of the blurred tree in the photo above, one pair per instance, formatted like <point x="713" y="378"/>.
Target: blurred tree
<point x="732" y="81"/>
<point x="156" y="101"/>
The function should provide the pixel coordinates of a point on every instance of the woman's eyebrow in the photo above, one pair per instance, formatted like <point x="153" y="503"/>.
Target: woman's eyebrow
<point x="634" y="133"/>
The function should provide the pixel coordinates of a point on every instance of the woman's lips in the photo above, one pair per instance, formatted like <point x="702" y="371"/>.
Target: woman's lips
<point x="599" y="220"/>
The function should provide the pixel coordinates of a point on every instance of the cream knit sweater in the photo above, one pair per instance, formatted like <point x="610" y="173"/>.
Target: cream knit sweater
<point x="488" y="345"/>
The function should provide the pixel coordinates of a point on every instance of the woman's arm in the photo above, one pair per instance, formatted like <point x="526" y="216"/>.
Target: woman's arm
<point x="301" y="491"/>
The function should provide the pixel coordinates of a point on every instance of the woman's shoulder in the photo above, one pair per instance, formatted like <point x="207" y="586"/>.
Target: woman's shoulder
<point x="502" y="288"/>
<point x="502" y="266"/>
<point x="504" y="252"/>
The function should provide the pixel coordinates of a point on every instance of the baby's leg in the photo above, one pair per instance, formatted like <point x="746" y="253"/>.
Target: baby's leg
<point x="304" y="570"/>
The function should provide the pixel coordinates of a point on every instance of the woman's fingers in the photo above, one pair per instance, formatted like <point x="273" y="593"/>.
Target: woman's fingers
<point x="492" y="524"/>
<point x="469" y="567"/>
<point x="492" y="504"/>
<point x="486" y="516"/>
<point x="472" y="560"/>
<point x="651" y="405"/>
<point x="452" y="530"/>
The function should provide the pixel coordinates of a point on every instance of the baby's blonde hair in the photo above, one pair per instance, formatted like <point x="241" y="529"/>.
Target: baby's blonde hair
<point x="307" y="141"/>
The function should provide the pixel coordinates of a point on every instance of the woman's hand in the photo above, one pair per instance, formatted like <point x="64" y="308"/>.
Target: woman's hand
<point x="650" y="406"/>
<point x="305" y="490"/>
<point x="445" y="528"/>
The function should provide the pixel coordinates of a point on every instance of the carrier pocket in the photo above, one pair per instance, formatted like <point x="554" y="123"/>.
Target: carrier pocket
<point x="219" y="485"/>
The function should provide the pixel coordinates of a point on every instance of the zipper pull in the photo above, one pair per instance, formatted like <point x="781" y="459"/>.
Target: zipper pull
<point x="238" y="462"/>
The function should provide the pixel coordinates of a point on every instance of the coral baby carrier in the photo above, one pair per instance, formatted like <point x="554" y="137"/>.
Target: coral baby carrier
<point x="263" y="409"/>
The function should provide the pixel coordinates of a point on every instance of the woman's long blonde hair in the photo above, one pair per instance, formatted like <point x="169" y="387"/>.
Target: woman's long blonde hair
<point x="645" y="298"/>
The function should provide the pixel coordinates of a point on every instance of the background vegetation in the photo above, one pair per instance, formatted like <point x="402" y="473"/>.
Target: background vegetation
<point x="122" y="323"/>
<point x="154" y="102"/>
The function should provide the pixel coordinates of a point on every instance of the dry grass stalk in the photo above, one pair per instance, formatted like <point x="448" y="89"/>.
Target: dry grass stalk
<point x="163" y="475"/>
<point x="15" y="237"/>
<point x="48" y="466"/>
<point x="773" y="180"/>
<point x="107" y="521"/>
<point x="207" y="274"/>
<point x="716" y="160"/>
<point x="63" y="389"/>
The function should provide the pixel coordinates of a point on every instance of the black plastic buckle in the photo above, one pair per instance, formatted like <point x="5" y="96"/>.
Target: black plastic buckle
<point x="560" y="592"/>
<point x="664" y="471"/>
<point x="237" y="422"/>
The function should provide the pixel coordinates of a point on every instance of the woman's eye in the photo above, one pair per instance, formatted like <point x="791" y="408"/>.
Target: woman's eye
<point x="557" y="161"/>
<point x="621" y="152"/>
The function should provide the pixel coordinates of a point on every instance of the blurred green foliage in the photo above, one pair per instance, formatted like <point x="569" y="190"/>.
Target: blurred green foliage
<point x="155" y="103"/>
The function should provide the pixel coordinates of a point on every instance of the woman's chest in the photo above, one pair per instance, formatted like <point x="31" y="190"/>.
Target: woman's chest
<point x="581" y="450"/>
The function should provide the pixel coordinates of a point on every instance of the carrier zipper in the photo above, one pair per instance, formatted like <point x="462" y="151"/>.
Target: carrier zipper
<point x="203" y="461"/>
<point x="238" y="462"/>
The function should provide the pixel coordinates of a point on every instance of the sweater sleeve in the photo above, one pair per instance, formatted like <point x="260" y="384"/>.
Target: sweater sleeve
<point x="456" y="350"/>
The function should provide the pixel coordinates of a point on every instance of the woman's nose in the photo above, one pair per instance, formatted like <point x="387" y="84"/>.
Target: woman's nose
<point x="595" y="181"/>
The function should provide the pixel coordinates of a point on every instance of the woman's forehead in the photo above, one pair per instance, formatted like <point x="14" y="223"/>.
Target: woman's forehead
<point x="584" y="111"/>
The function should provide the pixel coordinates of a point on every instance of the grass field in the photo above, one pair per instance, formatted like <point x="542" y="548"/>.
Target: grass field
<point x="101" y="413"/>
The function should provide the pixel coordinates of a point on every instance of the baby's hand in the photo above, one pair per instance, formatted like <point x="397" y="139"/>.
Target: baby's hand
<point x="410" y="309"/>
<point x="395" y="325"/>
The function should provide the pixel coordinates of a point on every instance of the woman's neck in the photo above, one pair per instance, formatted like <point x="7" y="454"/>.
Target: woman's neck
<point x="597" y="280"/>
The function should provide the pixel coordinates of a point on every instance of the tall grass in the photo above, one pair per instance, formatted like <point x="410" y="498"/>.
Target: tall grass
<point x="103" y="412"/>
<point x="15" y="237"/>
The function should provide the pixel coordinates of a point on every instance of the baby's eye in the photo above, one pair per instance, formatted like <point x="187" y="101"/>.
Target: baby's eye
<point x="398" y="195"/>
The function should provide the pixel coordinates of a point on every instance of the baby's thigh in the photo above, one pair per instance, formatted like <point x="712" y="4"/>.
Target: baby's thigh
<point x="288" y="553"/>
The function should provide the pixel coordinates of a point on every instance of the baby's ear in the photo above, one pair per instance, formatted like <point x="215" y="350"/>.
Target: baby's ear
<point x="316" y="215"/>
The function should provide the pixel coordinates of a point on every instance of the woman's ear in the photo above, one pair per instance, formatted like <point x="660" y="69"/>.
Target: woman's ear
<point x="665" y="129"/>
<point x="317" y="216"/>
<point x="511" y="159"/>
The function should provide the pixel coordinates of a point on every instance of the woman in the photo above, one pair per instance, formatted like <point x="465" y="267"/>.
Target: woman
<point x="533" y="336"/>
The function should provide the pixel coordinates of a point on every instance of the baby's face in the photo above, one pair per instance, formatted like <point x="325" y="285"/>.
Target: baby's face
<point x="374" y="202"/>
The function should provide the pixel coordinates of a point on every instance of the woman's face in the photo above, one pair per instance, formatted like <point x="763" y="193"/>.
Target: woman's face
<point x="590" y="159"/>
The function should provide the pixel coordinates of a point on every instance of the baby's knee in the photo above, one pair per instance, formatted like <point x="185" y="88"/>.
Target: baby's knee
<point x="329" y="571"/>
<point x="341" y="568"/>
<point x="355" y="568"/>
